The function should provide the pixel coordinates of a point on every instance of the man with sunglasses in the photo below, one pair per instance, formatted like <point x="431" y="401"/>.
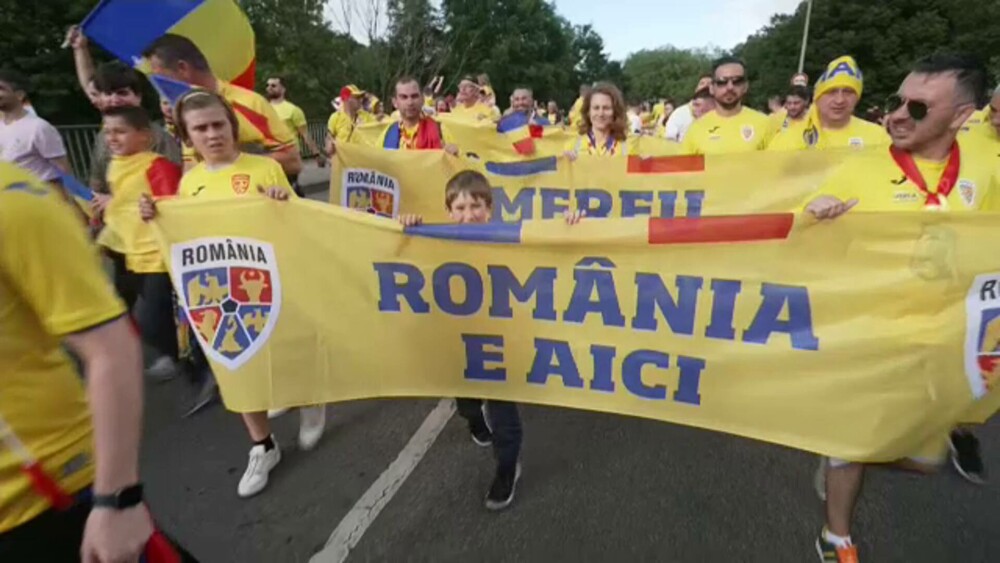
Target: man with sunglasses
<point x="924" y="169"/>
<point x="730" y="128"/>
<point x="830" y="122"/>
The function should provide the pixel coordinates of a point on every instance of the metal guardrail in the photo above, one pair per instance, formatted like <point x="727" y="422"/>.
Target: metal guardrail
<point x="79" y="141"/>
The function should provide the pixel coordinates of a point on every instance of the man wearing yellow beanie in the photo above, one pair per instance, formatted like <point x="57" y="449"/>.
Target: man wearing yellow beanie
<point x="831" y="122"/>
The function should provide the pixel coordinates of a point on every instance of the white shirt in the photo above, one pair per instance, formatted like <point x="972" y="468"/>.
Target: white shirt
<point x="634" y="123"/>
<point x="31" y="143"/>
<point x="679" y="122"/>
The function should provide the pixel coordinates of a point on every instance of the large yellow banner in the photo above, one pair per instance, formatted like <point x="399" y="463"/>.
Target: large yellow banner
<point x="388" y="183"/>
<point x="858" y="338"/>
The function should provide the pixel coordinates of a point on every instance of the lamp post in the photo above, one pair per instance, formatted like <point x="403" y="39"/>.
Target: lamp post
<point x="805" y="36"/>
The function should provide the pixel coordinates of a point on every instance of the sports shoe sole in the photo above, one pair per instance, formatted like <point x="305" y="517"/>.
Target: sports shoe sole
<point x="498" y="506"/>
<point x="481" y="443"/>
<point x="974" y="479"/>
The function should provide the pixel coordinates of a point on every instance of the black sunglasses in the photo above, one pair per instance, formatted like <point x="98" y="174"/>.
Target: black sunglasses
<point x="735" y="81"/>
<point x="917" y="110"/>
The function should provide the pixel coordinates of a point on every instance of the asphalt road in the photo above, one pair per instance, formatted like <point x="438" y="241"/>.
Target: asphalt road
<point x="595" y="488"/>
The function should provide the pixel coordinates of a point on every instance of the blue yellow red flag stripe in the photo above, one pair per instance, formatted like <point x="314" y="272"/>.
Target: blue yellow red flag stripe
<point x="218" y="27"/>
<point x="704" y="230"/>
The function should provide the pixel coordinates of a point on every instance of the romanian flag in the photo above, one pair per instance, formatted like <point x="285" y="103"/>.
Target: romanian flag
<point x="169" y="89"/>
<point x="522" y="131"/>
<point x="218" y="27"/>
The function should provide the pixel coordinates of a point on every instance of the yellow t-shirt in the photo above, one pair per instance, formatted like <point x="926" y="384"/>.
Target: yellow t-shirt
<point x="129" y="177"/>
<point x="858" y="134"/>
<point x="576" y="112"/>
<point x="237" y="179"/>
<point x="292" y="116"/>
<point x="341" y="126"/>
<point x="477" y="112"/>
<point x="747" y="131"/>
<point x="777" y="119"/>
<point x="877" y="182"/>
<point x="553" y="118"/>
<point x="51" y="286"/>
<point x="975" y="121"/>
<point x="261" y="130"/>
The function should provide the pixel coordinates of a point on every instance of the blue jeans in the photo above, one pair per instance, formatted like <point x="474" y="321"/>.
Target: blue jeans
<point x="504" y="421"/>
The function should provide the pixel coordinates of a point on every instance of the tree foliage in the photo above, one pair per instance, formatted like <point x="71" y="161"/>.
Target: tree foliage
<point x="516" y="42"/>
<point x="32" y="33"/>
<point x="885" y="37"/>
<point x="667" y="71"/>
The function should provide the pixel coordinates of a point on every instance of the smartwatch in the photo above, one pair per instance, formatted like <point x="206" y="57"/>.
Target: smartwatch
<point x="121" y="499"/>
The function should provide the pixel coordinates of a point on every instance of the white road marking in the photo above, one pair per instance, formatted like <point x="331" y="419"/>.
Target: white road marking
<point x="347" y="534"/>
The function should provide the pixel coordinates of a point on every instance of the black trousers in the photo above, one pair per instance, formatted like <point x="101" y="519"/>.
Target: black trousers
<point x="155" y="315"/>
<point x="55" y="537"/>
<point x="505" y="422"/>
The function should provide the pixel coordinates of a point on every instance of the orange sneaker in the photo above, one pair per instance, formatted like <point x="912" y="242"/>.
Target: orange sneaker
<point x="830" y="553"/>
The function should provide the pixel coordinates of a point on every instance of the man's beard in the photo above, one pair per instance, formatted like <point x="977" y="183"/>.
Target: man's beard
<point x="728" y="106"/>
<point x="272" y="95"/>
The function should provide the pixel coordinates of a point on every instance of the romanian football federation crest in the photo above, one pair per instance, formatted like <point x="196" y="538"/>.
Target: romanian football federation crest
<point x="747" y="132"/>
<point x="370" y="191"/>
<point x="982" y="336"/>
<point x="967" y="191"/>
<point x="230" y="291"/>
<point x="241" y="183"/>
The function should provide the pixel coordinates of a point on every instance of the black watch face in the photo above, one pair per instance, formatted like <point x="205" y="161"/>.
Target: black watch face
<point x="130" y="496"/>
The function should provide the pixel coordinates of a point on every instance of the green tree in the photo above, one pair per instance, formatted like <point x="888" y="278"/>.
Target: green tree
<point x="294" y="41"/>
<point x="592" y="61"/>
<point x="666" y="71"/>
<point x="885" y="37"/>
<point x="514" y="42"/>
<point x="32" y="34"/>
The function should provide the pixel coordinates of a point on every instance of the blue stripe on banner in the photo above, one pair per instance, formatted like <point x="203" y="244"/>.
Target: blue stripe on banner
<point x="507" y="233"/>
<point x="512" y="122"/>
<point x="524" y="168"/>
<point x="126" y="27"/>
<point x="76" y="188"/>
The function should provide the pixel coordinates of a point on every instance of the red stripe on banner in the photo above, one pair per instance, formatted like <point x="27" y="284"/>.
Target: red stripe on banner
<point x="257" y="120"/>
<point x="248" y="77"/>
<point x="666" y="164"/>
<point x="739" y="228"/>
<point x="525" y="147"/>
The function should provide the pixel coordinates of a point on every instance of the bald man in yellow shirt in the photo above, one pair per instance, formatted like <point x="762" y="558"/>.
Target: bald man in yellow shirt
<point x="831" y="122"/>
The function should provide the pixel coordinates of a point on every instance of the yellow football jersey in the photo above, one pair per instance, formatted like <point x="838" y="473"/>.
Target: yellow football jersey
<point x="237" y="179"/>
<point x="712" y="133"/>
<point x="51" y="285"/>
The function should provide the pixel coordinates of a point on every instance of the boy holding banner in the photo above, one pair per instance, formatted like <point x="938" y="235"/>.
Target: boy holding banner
<point x="468" y="198"/>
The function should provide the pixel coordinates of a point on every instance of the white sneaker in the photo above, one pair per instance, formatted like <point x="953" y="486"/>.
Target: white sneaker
<point x="276" y="413"/>
<point x="819" y="479"/>
<point x="260" y="465"/>
<point x="312" y="425"/>
<point x="163" y="368"/>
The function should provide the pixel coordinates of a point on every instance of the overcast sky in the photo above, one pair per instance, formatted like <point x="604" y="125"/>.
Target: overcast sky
<point x="630" y="25"/>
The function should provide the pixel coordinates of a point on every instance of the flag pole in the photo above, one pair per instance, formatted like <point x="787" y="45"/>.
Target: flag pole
<point x="805" y="36"/>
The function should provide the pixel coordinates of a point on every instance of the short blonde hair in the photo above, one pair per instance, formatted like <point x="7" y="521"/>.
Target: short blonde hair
<point x="203" y="99"/>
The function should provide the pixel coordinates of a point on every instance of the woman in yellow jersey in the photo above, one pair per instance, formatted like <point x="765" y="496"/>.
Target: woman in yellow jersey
<point x="207" y="123"/>
<point x="603" y="127"/>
